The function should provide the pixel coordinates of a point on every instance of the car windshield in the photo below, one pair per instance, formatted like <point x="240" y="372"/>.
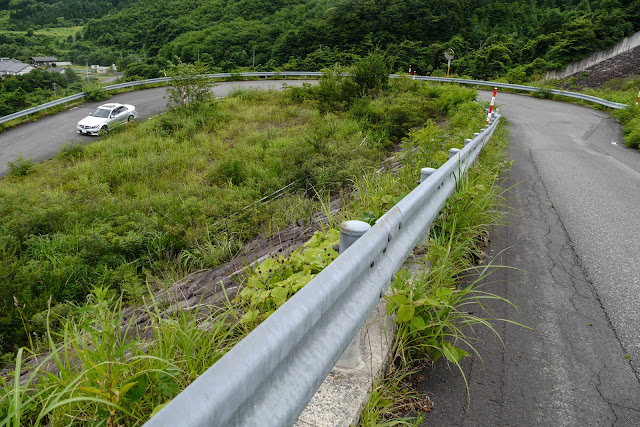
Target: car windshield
<point x="100" y="112"/>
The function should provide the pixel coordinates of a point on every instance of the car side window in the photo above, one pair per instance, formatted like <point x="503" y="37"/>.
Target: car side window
<point x="118" y="111"/>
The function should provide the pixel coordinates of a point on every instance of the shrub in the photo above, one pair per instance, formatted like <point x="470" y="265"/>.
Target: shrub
<point x="542" y="93"/>
<point x="96" y="94"/>
<point x="71" y="151"/>
<point x="189" y="84"/>
<point x="371" y="73"/>
<point x="20" y="166"/>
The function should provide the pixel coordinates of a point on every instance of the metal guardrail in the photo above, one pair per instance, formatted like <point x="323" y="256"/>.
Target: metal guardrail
<point x="75" y="97"/>
<point x="523" y="88"/>
<point x="268" y="378"/>
<point x="63" y="101"/>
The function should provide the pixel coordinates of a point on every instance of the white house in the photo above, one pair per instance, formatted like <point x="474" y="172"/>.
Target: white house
<point x="13" y="67"/>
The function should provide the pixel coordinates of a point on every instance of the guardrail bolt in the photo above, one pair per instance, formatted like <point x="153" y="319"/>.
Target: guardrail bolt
<point x="453" y="152"/>
<point x="350" y="231"/>
<point x="426" y="173"/>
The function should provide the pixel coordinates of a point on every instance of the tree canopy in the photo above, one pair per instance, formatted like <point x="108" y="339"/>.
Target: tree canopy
<point x="490" y="38"/>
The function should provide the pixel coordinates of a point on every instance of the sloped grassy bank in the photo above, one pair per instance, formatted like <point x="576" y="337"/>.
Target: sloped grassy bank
<point x="153" y="202"/>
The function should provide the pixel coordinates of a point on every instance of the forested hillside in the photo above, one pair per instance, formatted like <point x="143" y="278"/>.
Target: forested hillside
<point x="491" y="38"/>
<point x="24" y="14"/>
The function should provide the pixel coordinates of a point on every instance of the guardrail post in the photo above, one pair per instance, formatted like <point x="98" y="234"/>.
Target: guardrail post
<point x="467" y="141"/>
<point x="426" y="173"/>
<point x="453" y="152"/>
<point x="350" y="231"/>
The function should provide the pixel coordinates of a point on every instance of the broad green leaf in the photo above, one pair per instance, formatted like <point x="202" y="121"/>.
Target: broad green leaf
<point x="267" y="314"/>
<point x="400" y="299"/>
<point x="427" y="301"/>
<point x="94" y="390"/>
<point x="279" y="296"/>
<point x="158" y="408"/>
<point x="125" y="388"/>
<point x="405" y="313"/>
<point x="452" y="353"/>
<point x="391" y="306"/>
<point x="263" y="295"/>
<point x="250" y="316"/>
<point x="418" y="322"/>
<point x="246" y="292"/>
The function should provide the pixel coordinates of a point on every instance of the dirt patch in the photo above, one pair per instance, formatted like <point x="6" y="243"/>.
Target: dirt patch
<point x="625" y="65"/>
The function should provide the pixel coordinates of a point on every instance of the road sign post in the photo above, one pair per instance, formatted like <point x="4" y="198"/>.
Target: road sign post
<point x="448" y="54"/>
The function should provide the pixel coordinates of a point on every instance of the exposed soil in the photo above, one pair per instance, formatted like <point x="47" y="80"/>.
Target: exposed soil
<point x="625" y="65"/>
<point x="213" y="288"/>
<point x="205" y="288"/>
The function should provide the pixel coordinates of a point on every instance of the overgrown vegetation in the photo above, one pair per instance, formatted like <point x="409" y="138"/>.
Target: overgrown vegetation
<point x="161" y="194"/>
<point x="438" y="305"/>
<point x="167" y="196"/>
<point x="35" y="88"/>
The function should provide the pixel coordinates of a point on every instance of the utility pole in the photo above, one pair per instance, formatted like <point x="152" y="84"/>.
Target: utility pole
<point x="254" y="57"/>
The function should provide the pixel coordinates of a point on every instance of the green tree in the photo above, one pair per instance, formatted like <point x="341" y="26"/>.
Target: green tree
<point x="371" y="74"/>
<point x="189" y="84"/>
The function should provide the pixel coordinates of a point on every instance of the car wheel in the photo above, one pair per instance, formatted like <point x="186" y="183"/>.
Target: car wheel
<point x="130" y="118"/>
<point x="104" y="129"/>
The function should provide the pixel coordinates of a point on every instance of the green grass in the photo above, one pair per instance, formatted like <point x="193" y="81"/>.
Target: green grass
<point x="61" y="33"/>
<point x="107" y="376"/>
<point x="167" y="196"/>
<point x="159" y="199"/>
<point x="432" y="304"/>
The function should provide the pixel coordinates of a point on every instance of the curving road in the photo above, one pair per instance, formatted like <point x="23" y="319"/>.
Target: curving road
<point x="42" y="139"/>
<point x="575" y="231"/>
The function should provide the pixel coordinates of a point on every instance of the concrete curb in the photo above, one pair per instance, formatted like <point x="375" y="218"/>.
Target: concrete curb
<point x="343" y="394"/>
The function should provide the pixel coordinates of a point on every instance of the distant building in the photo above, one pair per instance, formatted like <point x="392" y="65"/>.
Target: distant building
<point x="13" y="67"/>
<point x="63" y="64"/>
<point x="56" y="70"/>
<point x="102" y="70"/>
<point x="39" y="61"/>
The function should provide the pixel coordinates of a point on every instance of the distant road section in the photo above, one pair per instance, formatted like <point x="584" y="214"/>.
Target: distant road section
<point x="42" y="139"/>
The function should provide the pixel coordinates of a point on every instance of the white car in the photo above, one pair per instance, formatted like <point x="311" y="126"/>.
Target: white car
<point x="105" y="117"/>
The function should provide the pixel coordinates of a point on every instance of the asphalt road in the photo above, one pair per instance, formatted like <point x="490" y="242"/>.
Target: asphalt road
<point x="42" y="139"/>
<point x="574" y="233"/>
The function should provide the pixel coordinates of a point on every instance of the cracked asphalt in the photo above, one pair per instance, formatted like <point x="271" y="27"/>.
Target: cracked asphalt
<point x="572" y="240"/>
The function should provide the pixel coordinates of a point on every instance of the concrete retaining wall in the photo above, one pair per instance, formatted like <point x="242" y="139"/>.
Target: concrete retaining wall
<point x="622" y="46"/>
